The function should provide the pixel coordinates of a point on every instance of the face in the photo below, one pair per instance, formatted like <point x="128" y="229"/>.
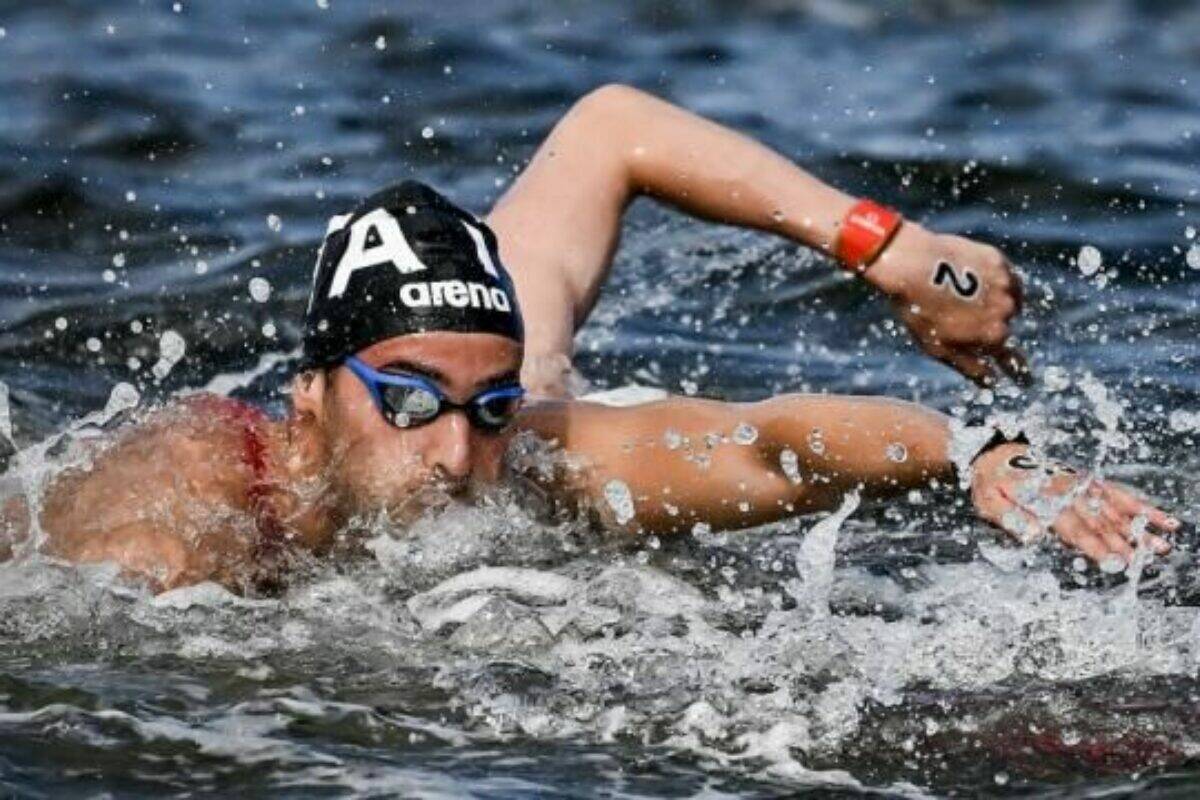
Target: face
<point x="378" y="466"/>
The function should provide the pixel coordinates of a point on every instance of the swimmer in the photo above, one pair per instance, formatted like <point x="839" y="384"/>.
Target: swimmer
<point x="560" y="222"/>
<point x="409" y="397"/>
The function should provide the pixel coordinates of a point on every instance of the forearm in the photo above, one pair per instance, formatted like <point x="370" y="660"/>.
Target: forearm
<point x="685" y="461"/>
<point x="839" y="443"/>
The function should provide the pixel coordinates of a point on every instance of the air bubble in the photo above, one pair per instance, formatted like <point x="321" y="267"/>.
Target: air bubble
<point x="427" y="132"/>
<point x="381" y="43"/>
<point x="274" y="222"/>
<point x="1090" y="260"/>
<point x="118" y="260"/>
<point x="1193" y="257"/>
<point x="896" y="452"/>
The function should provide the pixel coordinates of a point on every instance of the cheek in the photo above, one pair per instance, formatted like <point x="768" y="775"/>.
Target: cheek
<point x="370" y="455"/>
<point x="489" y="456"/>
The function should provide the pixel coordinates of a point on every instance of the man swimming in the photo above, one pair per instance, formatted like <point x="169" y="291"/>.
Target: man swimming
<point x="409" y="398"/>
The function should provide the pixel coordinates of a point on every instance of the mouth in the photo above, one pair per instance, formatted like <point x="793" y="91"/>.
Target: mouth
<point x="432" y="496"/>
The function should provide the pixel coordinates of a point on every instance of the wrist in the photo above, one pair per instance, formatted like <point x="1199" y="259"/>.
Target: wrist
<point x="992" y="458"/>
<point x="864" y="232"/>
<point x="888" y="273"/>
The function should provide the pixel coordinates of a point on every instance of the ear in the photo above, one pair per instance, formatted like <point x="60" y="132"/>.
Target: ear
<point x="308" y="394"/>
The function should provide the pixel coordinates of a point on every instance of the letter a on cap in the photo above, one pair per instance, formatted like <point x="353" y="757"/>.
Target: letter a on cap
<point x="389" y="246"/>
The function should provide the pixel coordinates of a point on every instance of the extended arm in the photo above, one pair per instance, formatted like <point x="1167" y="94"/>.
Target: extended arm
<point x="560" y="224"/>
<point x="683" y="461"/>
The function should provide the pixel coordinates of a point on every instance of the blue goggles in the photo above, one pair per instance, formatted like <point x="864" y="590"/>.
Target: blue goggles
<point x="409" y="401"/>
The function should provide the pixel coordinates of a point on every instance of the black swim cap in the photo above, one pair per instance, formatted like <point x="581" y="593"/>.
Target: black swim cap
<point x="406" y="260"/>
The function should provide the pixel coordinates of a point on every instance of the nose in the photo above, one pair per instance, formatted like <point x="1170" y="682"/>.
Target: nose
<point x="449" y="448"/>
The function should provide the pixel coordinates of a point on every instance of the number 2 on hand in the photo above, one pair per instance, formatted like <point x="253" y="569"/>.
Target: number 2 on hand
<point x="966" y="287"/>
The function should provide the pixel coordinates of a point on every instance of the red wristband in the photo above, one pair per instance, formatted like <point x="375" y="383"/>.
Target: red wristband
<point x="865" y="231"/>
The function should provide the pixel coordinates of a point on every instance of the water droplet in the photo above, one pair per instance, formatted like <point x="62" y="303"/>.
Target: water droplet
<point x="381" y="43"/>
<point x="93" y="344"/>
<point x="1112" y="564"/>
<point x="1193" y="256"/>
<point x="1182" y="421"/>
<point x="61" y="323"/>
<point x="427" y="132"/>
<point x="109" y="276"/>
<point x="130" y="196"/>
<point x="171" y="347"/>
<point x="1090" y="260"/>
<point x="790" y="463"/>
<point x="123" y="396"/>
<point x="118" y="260"/>
<point x="136" y="326"/>
<point x="1189" y="232"/>
<point x="268" y="330"/>
<point x="897" y="453"/>
<point x="672" y="439"/>
<point x="177" y="8"/>
<point x="1001" y="778"/>
<point x="323" y="4"/>
<point x="816" y="441"/>
<point x="274" y="222"/>
<point x="745" y="434"/>
<point x="616" y="493"/>
<point x="260" y="289"/>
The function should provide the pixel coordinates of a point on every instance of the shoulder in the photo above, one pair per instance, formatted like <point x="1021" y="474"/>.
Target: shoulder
<point x="201" y="445"/>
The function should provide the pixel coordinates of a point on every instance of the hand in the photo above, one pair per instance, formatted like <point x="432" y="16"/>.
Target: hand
<point x="1028" y="497"/>
<point x="956" y="296"/>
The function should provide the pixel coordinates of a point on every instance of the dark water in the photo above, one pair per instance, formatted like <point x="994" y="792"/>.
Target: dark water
<point x="154" y="160"/>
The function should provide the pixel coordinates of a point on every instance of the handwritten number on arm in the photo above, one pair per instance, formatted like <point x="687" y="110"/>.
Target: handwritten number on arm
<point x="965" y="287"/>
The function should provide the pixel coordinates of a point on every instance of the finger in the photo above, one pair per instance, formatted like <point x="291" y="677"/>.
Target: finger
<point x="972" y="366"/>
<point x="1134" y="506"/>
<point x="1076" y="533"/>
<point x="1016" y="290"/>
<point x="1115" y="536"/>
<point x="1016" y="520"/>
<point x="1156" y="544"/>
<point x="1014" y="364"/>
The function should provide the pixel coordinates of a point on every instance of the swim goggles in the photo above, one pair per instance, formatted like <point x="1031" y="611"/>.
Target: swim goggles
<point x="409" y="401"/>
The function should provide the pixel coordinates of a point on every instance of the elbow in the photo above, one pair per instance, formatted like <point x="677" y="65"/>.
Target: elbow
<point x="609" y="101"/>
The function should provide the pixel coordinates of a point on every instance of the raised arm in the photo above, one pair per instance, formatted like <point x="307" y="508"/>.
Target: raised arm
<point x="560" y="223"/>
<point x="684" y="461"/>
